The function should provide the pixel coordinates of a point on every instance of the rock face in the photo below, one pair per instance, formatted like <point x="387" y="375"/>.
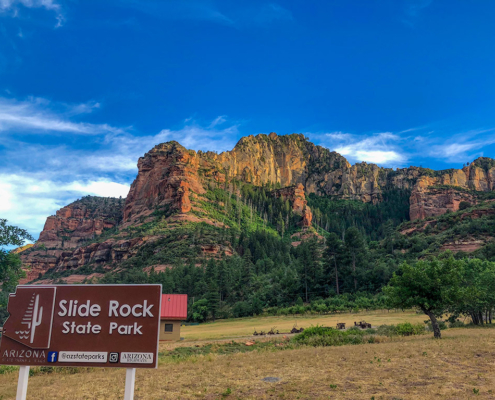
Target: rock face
<point x="79" y="221"/>
<point x="433" y="202"/>
<point x="171" y="178"/>
<point x="168" y="175"/>
<point x="69" y="229"/>
<point x="297" y="198"/>
<point x="445" y="190"/>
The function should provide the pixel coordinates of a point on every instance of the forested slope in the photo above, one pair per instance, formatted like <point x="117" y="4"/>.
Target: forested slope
<point x="275" y="222"/>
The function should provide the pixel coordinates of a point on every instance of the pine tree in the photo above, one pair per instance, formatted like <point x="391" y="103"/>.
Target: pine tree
<point x="354" y="246"/>
<point x="213" y="297"/>
<point x="333" y="249"/>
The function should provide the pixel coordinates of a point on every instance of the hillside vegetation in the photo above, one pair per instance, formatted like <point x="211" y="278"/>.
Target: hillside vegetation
<point x="276" y="226"/>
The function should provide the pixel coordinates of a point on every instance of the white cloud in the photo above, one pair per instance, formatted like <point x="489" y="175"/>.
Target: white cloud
<point x="460" y="147"/>
<point x="84" y="159"/>
<point x="12" y="6"/>
<point x="48" y="4"/>
<point x="373" y="156"/>
<point x="380" y="148"/>
<point x="339" y="136"/>
<point x="40" y="115"/>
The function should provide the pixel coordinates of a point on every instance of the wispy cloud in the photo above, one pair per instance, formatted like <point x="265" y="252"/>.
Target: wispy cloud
<point x="39" y="175"/>
<point x="35" y="115"/>
<point x="380" y="148"/>
<point x="434" y="142"/>
<point x="13" y="8"/>
<point x="460" y="147"/>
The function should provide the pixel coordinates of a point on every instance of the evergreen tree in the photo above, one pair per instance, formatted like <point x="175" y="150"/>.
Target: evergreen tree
<point x="213" y="297"/>
<point x="354" y="246"/>
<point x="333" y="250"/>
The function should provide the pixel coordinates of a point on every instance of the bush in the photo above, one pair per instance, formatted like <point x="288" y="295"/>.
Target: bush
<point x="199" y="311"/>
<point x="405" y="329"/>
<point x="386" y="330"/>
<point x="324" y="336"/>
<point x="408" y="329"/>
<point x="464" y="204"/>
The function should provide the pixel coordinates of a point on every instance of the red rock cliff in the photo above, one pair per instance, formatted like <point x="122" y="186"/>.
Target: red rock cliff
<point x="70" y="228"/>
<point x="168" y="176"/>
<point x="445" y="190"/>
<point x="295" y="195"/>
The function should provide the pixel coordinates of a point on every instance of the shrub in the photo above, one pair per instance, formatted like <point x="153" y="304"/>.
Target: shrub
<point x="386" y="330"/>
<point x="464" y="204"/>
<point x="408" y="329"/>
<point x="324" y="336"/>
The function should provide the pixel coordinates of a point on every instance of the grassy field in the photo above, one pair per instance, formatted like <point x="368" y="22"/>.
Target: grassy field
<point x="225" y="329"/>
<point x="459" y="366"/>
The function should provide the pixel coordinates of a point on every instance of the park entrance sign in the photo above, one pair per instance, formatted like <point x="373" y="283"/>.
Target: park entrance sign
<point x="82" y="326"/>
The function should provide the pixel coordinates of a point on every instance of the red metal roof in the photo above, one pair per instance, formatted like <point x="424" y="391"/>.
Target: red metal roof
<point x="174" y="306"/>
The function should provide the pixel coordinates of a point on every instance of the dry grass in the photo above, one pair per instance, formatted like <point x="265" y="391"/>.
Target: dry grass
<point x="411" y="368"/>
<point x="232" y="328"/>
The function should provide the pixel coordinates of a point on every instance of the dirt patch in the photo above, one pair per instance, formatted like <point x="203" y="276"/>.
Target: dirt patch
<point x="467" y="246"/>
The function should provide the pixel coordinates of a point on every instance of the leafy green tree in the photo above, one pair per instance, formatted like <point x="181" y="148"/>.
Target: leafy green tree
<point x="10" y="263"/>
<point x="477" y="292"/>
<point x="432" y="286"/>
<point x="199" y="310"/>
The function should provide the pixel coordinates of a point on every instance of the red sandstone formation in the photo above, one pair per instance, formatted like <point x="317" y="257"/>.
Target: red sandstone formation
<point x="171" y="178"/>
<point x="69" y="229"/>
<point x="295" y="195"/>
<point x="433" y="202"/>
<point x="167" y="178"/>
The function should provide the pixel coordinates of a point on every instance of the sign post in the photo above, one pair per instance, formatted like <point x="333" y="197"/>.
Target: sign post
<point x="82" y="326"/>
<point x="130" y="380"/>
<point x="22" y="384"/>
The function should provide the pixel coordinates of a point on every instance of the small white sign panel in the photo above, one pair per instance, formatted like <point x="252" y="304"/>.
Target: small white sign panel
<point x="83" y="356"/>
<point x="136" y="358"/>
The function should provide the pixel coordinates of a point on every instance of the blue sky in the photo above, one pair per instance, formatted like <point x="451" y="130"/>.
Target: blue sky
<point x="86" y="87"/>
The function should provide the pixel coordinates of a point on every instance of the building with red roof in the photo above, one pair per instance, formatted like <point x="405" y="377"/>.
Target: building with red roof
<point x="174" y="310"/>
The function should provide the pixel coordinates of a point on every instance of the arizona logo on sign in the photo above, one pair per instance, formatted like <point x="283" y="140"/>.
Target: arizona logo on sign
<point x="31" y="316"/>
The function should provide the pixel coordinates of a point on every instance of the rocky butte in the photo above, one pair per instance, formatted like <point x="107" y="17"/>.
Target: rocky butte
<point x="173" y="181"/>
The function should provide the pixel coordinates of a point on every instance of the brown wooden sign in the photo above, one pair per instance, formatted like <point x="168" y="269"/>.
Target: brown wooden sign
<point x="82" y="326"/>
